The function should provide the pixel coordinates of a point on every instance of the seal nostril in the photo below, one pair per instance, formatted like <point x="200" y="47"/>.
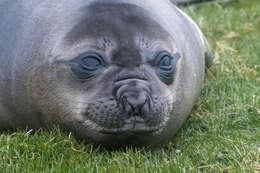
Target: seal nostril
<point x="123" y="101"/>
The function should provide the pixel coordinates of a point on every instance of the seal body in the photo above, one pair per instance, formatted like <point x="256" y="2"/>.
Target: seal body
<point x="114" y="72"/>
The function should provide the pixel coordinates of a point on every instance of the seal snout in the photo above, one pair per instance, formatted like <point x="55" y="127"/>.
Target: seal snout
<point x="133" y="107"/>
<point x="133" y="96"/>
<point x="135" y="103"/>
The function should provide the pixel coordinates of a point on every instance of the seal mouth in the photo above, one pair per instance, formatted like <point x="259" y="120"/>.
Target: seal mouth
<point x="134" y="124"/>
<point x="105" y="116"/>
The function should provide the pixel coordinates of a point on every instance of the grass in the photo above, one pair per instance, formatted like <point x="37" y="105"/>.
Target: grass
<point x="221" y="135"/>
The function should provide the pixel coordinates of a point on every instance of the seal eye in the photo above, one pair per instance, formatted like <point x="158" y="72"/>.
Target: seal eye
<point x="165" y="65"/>
<point x="90" y="63"/>
<point x="87" y="65"/>
<point x="166" y="61"/>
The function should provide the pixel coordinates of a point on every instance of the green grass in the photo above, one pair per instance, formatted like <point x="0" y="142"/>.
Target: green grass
<point x="221" y="135"/>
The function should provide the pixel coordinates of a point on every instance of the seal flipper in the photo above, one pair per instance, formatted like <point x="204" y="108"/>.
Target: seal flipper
<point x="208" y="54"/>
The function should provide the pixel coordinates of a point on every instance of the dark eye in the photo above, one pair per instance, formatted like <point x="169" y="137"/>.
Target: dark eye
<point x="87" y="65"/>
<point x="91" y="63"/>
<point x="165" y="62"/>
<point x="165" y="65"/>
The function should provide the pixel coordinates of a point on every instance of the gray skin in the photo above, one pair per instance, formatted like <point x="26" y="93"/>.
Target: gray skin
<point x="124" y="103"/>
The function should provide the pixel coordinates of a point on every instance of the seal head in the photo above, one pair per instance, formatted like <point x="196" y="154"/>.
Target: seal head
<point x="127" y="71"/>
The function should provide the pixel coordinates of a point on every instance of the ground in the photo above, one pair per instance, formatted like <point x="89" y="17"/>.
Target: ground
<point x="221" y="135"/>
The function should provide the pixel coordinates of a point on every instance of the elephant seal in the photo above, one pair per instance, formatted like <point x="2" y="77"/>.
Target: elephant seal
<point x="114" y="72"/>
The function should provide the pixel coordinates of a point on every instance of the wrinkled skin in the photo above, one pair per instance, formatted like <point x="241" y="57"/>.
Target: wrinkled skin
<point x="98" y="68"/>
